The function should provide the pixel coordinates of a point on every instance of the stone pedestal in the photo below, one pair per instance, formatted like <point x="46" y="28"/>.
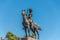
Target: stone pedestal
<point x="28" y="38"/>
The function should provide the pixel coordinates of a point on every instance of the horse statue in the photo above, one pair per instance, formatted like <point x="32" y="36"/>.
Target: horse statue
<point x="25" y="22"/>
<point x="29" y="24"/>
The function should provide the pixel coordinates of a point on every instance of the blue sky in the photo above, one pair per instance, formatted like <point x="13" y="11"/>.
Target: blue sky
<point x="45" y="12"/>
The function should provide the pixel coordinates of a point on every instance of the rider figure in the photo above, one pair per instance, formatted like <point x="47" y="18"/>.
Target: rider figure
<point x="30" y="18"/>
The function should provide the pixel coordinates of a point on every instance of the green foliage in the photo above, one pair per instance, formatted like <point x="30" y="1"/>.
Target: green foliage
<point x="11" y="36"/>
<point x="32" y="35"/>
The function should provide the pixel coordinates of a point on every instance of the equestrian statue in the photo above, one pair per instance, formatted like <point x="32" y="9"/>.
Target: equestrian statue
<point x="29" y="24"/>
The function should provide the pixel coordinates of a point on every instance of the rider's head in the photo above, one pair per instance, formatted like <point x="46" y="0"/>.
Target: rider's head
<point x="30" y="10"/>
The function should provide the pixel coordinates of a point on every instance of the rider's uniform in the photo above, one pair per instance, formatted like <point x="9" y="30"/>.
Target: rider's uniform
<point x="30" y="20"/>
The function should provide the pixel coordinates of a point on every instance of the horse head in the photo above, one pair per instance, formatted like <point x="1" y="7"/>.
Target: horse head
<point x="23" y="12"/>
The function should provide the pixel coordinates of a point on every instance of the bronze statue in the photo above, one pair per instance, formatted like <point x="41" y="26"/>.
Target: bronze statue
<point x="29" y="24"/>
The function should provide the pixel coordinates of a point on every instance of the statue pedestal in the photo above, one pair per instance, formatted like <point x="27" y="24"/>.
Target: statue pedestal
<point x="28" y="38"/>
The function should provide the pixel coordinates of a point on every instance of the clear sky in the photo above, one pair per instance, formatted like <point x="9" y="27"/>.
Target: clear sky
<point x="45" y="12"/>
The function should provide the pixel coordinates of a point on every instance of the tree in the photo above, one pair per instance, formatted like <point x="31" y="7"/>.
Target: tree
<point x="32" y="35"/>
<point x="11" y="36"/>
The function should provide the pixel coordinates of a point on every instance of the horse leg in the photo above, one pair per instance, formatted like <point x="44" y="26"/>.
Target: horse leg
<point x="37" y="33"/>
<point x="29" y="31"/>
<point x="26" y="32"/>
<point x="34" y="34"/>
